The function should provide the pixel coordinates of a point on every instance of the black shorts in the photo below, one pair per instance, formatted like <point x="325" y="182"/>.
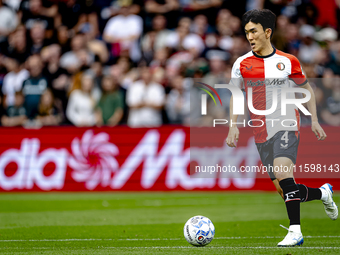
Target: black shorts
<point x="282" y="144"/>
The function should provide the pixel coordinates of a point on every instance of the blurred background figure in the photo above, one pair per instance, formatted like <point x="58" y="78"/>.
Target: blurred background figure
<point x="145" y="99"/>
<point x="308" y="47"/>
<point x="81" y="105"/>
<point x="57" y="77"/>
<point x="15" y="115"/>
<point x="13" y="80"/>
<point x="37" y="38"/>
<point x="331" y="112"/>
<point x="156" y="38"/>
<point x="168" y="8"/>
<point x="110" y="107"/>
<point x="178" y="101"/>
<point x="123" y="32"/>
<point x="34" y="86"/>
<point x="8" y="21"/>
<point x="48" y="113"/>
<point x="78" y="57"/>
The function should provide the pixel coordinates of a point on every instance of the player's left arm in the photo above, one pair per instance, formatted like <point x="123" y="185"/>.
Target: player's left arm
<point x="311" y="104"/>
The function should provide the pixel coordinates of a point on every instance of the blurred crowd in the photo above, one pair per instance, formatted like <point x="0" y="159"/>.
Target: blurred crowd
<point x="134" y="62"/>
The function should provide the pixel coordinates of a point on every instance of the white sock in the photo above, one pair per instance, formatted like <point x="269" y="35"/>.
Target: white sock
<point x="324" y="194"/>
<point x="295" y="228"/>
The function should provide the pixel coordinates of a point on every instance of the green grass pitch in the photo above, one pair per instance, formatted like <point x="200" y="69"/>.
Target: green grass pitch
<point x="152" y="223"/>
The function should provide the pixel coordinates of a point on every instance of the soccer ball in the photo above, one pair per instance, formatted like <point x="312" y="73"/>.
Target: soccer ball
<point x="199" y="231"/>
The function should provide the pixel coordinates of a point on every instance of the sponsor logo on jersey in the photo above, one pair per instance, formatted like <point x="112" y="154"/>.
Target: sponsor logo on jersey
<point x="267" y="82"/>
<point x="255" y="83"/>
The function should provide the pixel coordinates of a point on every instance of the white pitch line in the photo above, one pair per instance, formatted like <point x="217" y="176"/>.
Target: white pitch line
<point x="154" y="239"/>
<point x="180" y="247"/>
<point x="219" y="247"/>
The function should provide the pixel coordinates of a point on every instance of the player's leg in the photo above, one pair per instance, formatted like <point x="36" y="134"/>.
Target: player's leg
<point x="285" y="152"/>
<point x="283" y="169"/>
<point x="324" y="193"/>
<point x="309" y="194"/>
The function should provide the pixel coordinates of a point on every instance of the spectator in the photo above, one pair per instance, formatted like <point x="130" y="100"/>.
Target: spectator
<point x="78" y="57"/>
<point x="13" y="80"/>
<point x="34" y="10"/>
<point x="48" y="113"/>
<point x="110" y="106"/>
<point x="334" y="61"/>
<point x="178" y="102"/>
<point x="279" y="39"/>
<point x="124" y="73"/>
<point x="159" y="26"/>
<point x="80" y="109"/>
<point x="34" y="86"/>
<point x="200" y="26"/>
<point x="168" y="8"/>
<point x="331" y="112"/>
<point x="14" y="4"/>
<point x="123" y="32"/>
<point x="97" y="71"/>
<point x="97" y="47"/>
<point x="156" y="39"/>
<point x="76" y="14"/>
<point x="145" y="99"/>
<point x="216" y="75"/>
<point x="112" y="8"/>
<point x="208" y="8"/>
<point x="37" y="38"/>
<point x="8" y="21"/>
<point x="63" y="39"/>
<point x="217" y="63"/>
<point x="57" y="77"/>
<point x="292" y="36"/>
<point x="225" y="40"/>
<point x="176" y="38"/>
<point x="308" y="47"/>
<point x="15" y="114"/>
<point x="160" y="58"/>
<point x="16" y="45"/>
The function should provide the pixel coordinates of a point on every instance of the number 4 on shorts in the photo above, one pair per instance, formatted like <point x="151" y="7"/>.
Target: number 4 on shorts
<point x="284" y="137"/>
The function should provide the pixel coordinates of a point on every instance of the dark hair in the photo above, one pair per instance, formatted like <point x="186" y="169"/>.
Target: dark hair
<point x="265" y="18"/>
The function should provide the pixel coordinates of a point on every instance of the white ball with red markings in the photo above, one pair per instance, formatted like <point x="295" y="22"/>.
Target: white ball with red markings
<point x="199" y="231"/>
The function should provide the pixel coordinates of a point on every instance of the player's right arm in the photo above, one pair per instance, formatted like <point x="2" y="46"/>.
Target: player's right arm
<point x="233" y="134"/>
<point x="236" y="80"/>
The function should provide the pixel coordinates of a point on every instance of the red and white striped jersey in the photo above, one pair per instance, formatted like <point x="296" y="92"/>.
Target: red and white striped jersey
<point x="264" y="74"/>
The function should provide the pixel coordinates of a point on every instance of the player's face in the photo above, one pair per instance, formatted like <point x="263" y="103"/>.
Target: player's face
<point x="256" y="36"/>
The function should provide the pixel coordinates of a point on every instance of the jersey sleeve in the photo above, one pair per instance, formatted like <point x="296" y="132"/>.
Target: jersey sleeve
<point x="236" y="76"/>
<point x="297" y="74"/>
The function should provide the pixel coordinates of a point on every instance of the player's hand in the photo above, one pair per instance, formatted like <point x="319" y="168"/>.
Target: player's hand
<point x="232" y="136"/>
<point x="318" y="131"/>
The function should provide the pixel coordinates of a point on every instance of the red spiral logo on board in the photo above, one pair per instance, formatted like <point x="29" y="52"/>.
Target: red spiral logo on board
<point x="93" y="159"/>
